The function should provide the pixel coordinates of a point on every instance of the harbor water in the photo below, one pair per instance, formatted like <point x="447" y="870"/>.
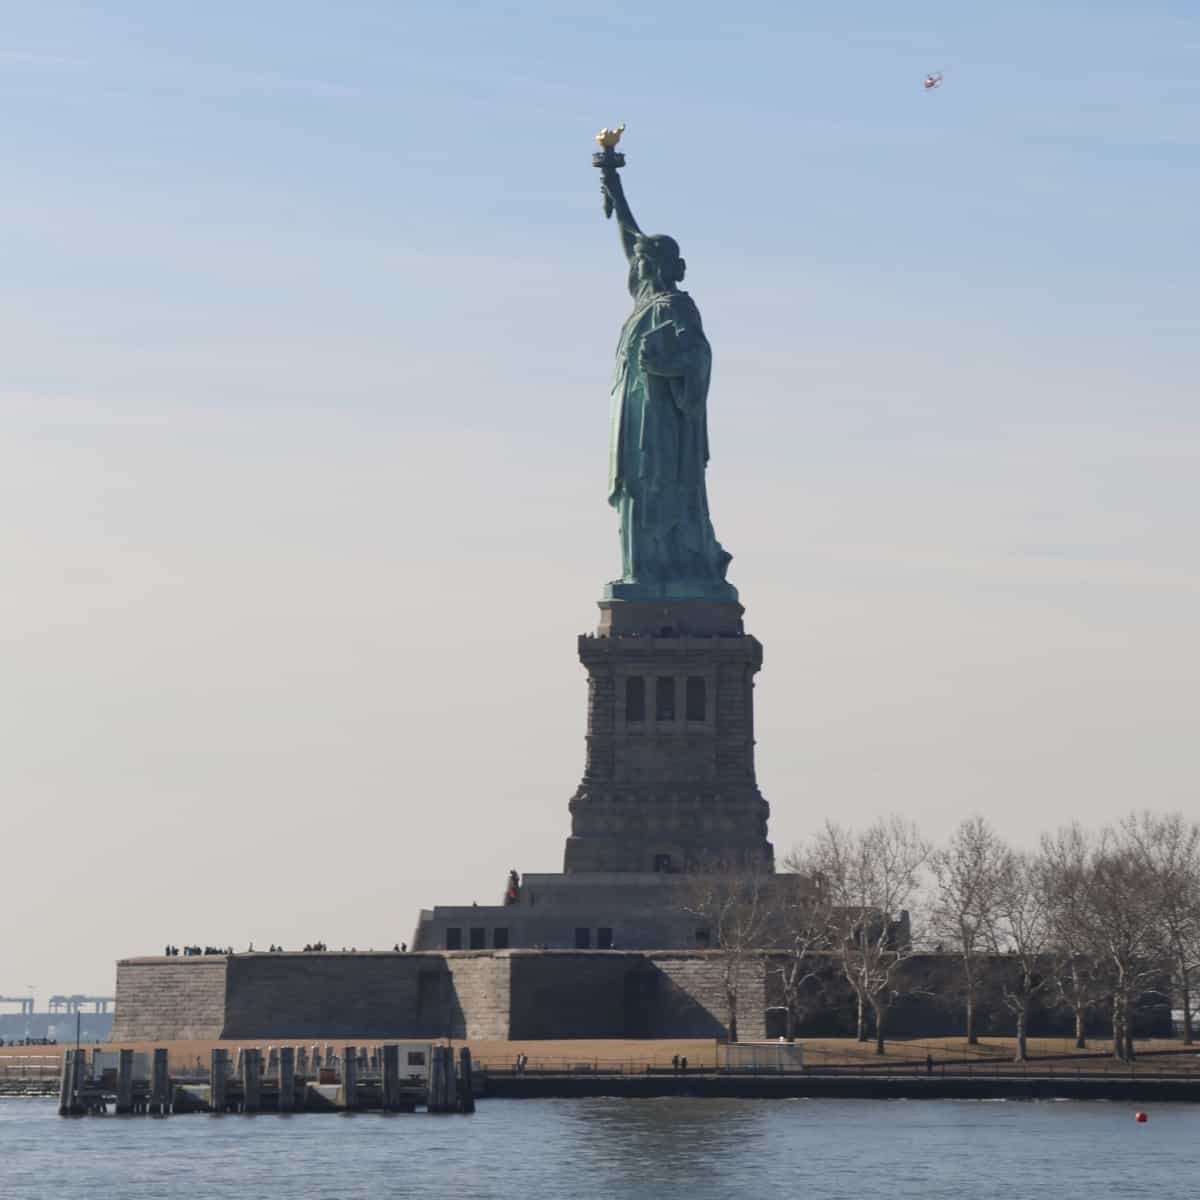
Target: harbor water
<point x="656" y="1149"/>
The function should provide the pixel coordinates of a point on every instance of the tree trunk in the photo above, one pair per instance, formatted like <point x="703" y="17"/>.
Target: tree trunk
<point x="1186" y="995"/>
<point x="1080" y="1037"/>
<point x="880" y="1013"/>
<point x="790" y="1023"/>
<point x="862" y="1020"/>
<point x="972" y="1036"/>
<point x="731" y="1000"/>
<point x="1128" y="1033"/>
<point x="1022" y="1054"/>
<point x="1118" y="1026"/>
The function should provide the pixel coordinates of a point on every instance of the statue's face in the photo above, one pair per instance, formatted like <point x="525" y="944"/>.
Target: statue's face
<point x="656" y="262"/>
<point x="645" y="267"/>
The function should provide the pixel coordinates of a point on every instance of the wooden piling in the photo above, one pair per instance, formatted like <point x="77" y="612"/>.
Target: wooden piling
<point x="78" y="1080"/>
<point x="442" y="1089"/>
<point x="64" y="1085"/>
<point x="125" y="1082"/>
<point x="433" y="1080"/>
<point x="466" y="1091"/>
<point x="390" y="1085"/>
<point x="251" y="1081"/>
<point x="287" y="1078"/>
<point x="160" y="1084"/>
<point x="68" y="1088"/>
<point x="219" y="1079"/>
<point x="350" y="1078"/>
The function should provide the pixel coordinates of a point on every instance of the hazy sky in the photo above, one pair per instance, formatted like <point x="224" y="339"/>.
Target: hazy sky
<point x="307" y="314"/>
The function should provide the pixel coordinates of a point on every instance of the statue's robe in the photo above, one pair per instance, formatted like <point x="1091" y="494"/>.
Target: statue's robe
<point x="658" y="446"/>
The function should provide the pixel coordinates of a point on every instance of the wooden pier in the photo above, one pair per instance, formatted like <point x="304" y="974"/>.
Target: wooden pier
<point x="361" y="1079"/>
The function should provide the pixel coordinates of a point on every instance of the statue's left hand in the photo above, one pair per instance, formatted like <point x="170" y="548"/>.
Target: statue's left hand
<point x="658" y="364"/>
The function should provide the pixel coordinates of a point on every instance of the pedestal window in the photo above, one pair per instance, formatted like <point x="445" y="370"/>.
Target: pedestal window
<point x="664" y="699"/>
<point x="635" y="698"/>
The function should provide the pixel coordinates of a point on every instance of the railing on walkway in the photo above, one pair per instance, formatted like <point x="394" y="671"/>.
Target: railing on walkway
<point x="30" y="1066"/>
<point x="897" y="1069"/>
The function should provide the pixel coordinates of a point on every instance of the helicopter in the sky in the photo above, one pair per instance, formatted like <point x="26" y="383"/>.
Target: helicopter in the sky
<point x="932" y="80"/>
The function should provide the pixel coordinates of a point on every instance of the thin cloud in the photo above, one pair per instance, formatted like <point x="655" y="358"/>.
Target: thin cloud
<point x="27" y="58"/>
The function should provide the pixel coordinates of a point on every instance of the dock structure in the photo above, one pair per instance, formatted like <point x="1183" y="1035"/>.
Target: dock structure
<point x="363" y="1078"/>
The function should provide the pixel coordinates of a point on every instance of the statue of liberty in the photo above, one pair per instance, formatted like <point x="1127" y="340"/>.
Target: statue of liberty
<point x="658" y="440"/>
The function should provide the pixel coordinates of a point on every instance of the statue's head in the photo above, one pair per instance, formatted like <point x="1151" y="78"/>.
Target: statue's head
<point x="657" y="260"/>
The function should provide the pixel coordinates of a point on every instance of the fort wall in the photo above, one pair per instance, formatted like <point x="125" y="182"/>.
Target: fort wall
<point x="467" y="994"/>
<point x="170" y="998"/>
<point x="532" y="994"/>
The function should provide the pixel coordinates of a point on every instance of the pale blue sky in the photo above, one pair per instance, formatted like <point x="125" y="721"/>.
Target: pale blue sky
<point x="307" y="317"/>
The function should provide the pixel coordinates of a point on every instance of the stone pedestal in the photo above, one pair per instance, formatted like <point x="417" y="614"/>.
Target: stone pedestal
<point x="669" y="781"/>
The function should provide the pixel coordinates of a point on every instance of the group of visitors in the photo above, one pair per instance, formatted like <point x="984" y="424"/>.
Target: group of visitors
<point x="679" y="1064"/>
<point x="309" y="948"/>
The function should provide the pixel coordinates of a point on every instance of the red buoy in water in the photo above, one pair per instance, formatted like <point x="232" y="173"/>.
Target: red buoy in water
<point x="1140" y="1118"/>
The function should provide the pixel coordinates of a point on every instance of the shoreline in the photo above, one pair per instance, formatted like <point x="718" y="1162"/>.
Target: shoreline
<point x="804" y="1086"/>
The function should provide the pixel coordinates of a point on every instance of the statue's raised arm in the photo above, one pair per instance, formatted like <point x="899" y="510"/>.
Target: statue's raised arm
<point x="608" y="159"/>
<point x="614" y="196"/>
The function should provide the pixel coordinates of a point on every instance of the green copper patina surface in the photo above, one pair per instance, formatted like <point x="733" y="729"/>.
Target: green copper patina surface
<point x="658" y="439"/>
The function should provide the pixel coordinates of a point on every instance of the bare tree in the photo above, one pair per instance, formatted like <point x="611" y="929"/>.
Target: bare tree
<point x="732" y="901"/>
<point x="1121" y="907"/>
<point x="800" y="930"/>
<point x="1082" y="977"/>
<point x="1022" y="930"/>
<point x="966" y="877"/>
<point x="1168" y="848"/>
<point x="870" y="879"/>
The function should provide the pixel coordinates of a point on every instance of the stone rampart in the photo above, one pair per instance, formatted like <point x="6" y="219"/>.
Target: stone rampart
<point x="336" y="995"/>
<point x="170" y="998"/>
<point x="468" y="994"/>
